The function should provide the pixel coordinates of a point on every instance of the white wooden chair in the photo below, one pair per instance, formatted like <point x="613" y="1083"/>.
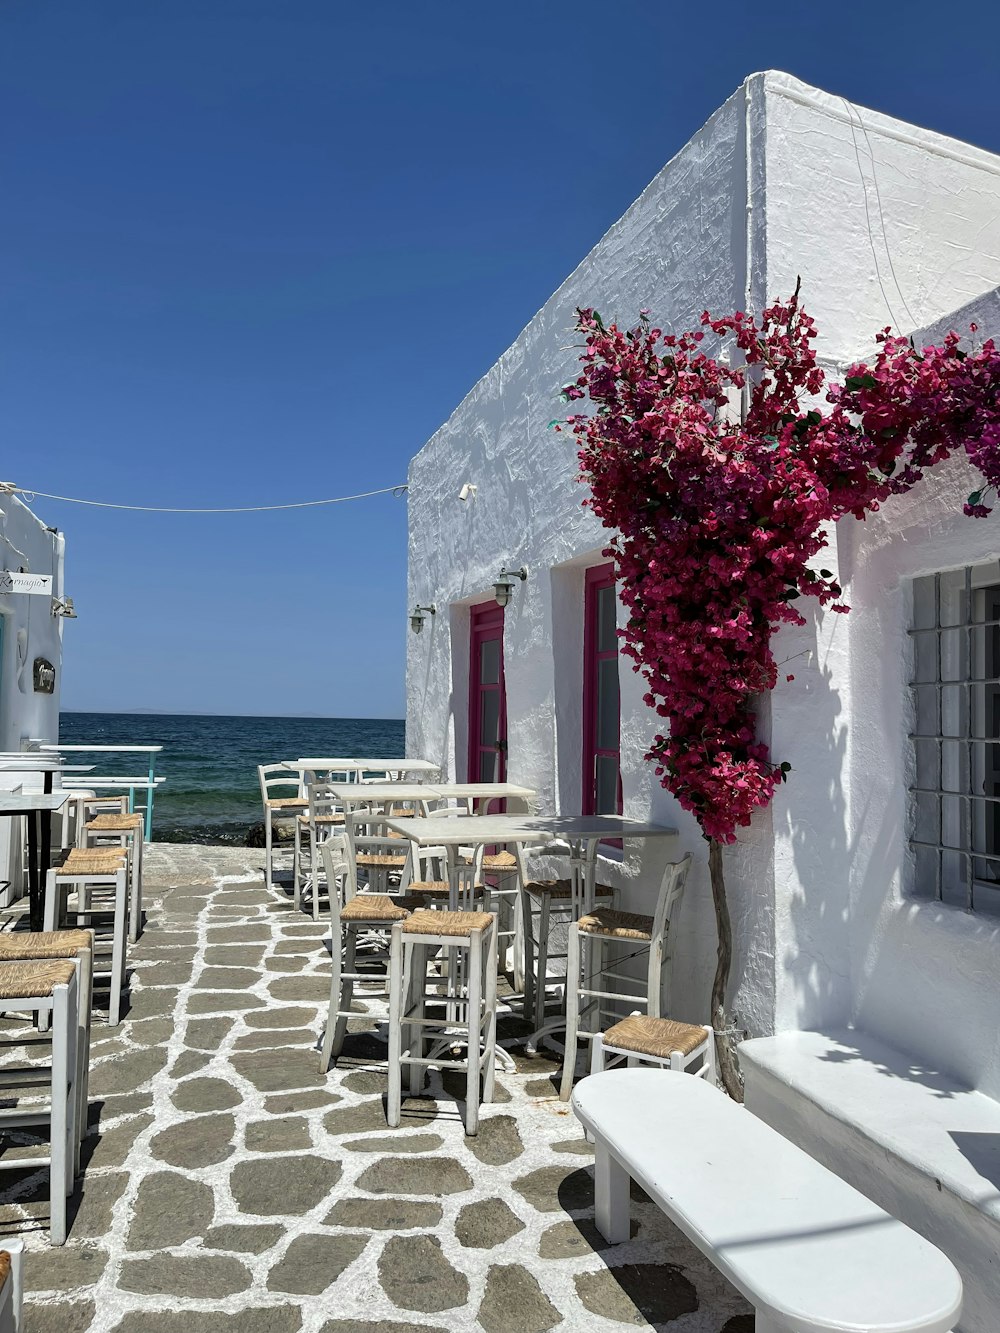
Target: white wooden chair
<point x="360" y="925"/>
<point x="643" y="1040"/>
<point x="46" y="988"/>
<point x="274" y="778"/>
<point x="324" y="818"/>
<point x="597" y="992"/>
<point x="11" y="1285"/>
<point x="119" y="828"/>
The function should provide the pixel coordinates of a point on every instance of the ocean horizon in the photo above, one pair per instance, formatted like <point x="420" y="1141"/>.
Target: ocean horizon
<point x="209" y="760"/>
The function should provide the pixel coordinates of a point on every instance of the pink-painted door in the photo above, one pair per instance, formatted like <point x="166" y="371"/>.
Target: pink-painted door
<point x="487" y="697"/>
<point x="602" y="784"/>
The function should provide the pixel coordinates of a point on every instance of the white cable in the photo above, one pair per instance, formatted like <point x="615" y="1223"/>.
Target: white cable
<point x="8" y="488"/>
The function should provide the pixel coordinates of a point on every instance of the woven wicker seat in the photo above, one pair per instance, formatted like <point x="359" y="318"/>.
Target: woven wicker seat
<point x="35" y="945"/>
<point x="4" y="1269"/>
<point x="495" y="861"/>
<point x="437" y="888"/>
<point x="617" y="925"/>
<point x="114" y="823"/>
<point x="287" y="803"/>
<point x="654" y="1036"/>
<point x="27" y="981"/>
<point x="92" y="861"/>
<point x="561" y="888"/>
<point x="446" y="923"/>
<point x="376" y="862"/>
<point x="372" y="907"/>
<point x="323" y="819"/>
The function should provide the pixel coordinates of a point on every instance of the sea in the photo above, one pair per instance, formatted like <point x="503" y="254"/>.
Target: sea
<point x="211" y="793"/>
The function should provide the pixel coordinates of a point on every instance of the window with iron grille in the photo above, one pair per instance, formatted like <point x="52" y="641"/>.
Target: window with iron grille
<point x="955" y="685"/>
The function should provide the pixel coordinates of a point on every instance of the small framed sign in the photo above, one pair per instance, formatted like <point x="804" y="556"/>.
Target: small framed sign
<point x="15" y="581"/>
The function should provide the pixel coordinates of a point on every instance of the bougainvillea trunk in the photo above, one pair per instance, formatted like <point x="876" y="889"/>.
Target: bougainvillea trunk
<point x="719" y="484"/>
<point x="725" y="1043"/>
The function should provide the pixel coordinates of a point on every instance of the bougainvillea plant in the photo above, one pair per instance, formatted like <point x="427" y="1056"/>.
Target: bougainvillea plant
<point x="719" y="483"/>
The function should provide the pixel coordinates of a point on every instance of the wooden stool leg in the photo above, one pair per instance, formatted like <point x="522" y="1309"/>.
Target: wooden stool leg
<point x="119" y="929"/>
<point x="572" y="1010"/>
<point x="490" y="1035"/>
<point x="396" y="990"/>
<point x="528" y="939"/>
<point x="60" y="1123"/>
<point x="542" y="955"/>
<point x="474" y="1015"/>
<point x="268" y="873"/>
<point x="337" y="954"/>
<point x="417" y="960"/>
<point x="85" y="998"/>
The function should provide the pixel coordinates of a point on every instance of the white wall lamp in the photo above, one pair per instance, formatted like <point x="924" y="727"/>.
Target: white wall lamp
<point x="504" y="586"/>
<point x="419" y="614"/>
<point x="63" y="606"/>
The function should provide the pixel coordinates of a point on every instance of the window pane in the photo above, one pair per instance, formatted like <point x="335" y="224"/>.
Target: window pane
<point x="955" y="878"/>
<point x="928" y="764"/>
<point x="953" y="719"/>
<point x="489" y="765"/>
<point x="953" y="833"/>
<point x="606" y="795"/>
<point x="926" y="825"/>
<point x="489" y="717"/>
<point x="953" y="599"/>
<point x="923" y="603"/>
<point x="925" y="657"/>
<point x="489" y="662"/>
<point x="925" y="709"/>
<point x="607" y="612"/>
<point x="925" y="876"/>
<point x="954" y="654"/>
<point x="607" y="704"/>
<point x="954" y="760"/>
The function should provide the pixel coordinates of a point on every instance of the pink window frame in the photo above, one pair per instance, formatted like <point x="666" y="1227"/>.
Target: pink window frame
<point x="485" y="620"/>
<point x="597" y="578"/>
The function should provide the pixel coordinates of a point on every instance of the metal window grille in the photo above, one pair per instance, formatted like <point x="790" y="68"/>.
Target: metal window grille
<point x="955" y="688"/>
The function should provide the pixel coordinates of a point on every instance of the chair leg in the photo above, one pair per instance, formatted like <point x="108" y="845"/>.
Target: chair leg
<point x="118" y="951"/>
<point x="268" y="873"/>
<point x="417" y="957"/>
<point x="346" y="991"/>
<point x="297" y="867"/>
<point x="542" y="960"/>
<point x="597" y="1054"/>
<point x="394" y="1105"/>
<point x="711" y="1072"/>
<point x="135" y="904"/>
<point x="572" y="1010"/>
<point x="337" y="952"/>
<point x="85" y="974"/>
<point x="490" y="1035"/>
<point x="60" y="1125"/>
<point x="518" y="944"/>
<point x="474" y="1016"/>
<point x="528" y="939"/>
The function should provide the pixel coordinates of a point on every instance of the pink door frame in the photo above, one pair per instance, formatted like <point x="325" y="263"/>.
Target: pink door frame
<point x="600" y="576"/>
<point x="486" y="623"/>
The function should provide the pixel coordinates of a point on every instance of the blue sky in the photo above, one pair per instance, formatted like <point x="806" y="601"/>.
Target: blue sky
<point x="255" y="251"/>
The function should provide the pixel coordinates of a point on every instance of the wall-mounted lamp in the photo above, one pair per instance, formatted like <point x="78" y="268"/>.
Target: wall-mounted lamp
<point x="504" y="586"/>
<point x="469" y="491"/>
<point x="418" y="616"/>
<point x="63" y="606"/>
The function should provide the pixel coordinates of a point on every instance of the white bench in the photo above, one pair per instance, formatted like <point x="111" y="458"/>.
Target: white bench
<point x="920" y="1143"/>
<point x="809" y="1252"/>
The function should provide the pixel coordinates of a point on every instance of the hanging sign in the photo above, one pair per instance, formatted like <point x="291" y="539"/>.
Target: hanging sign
<point x="13" y="581"/>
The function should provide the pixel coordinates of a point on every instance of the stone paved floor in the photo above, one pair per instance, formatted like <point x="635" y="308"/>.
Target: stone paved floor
<point x="232" y="1189"/>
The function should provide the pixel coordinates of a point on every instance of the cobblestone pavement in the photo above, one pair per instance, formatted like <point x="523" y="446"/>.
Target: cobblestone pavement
<point x="230" y="1188"/>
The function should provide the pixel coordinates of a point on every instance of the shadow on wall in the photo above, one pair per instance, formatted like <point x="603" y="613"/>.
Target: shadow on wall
<point x="815" y="956"/>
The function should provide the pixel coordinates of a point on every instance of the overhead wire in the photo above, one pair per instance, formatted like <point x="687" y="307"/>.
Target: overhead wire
<point x="8" y="488"/>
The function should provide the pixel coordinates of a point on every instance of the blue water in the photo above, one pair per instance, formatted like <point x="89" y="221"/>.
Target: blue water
<point x="210" y="763"/>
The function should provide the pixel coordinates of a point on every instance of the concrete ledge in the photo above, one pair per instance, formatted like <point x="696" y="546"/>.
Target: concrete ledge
<point x="914" y="1141"/>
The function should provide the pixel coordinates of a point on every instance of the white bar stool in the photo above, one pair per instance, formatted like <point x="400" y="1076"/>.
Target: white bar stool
<point x="104" y="869"/>
<point x="47" y="988"/>
<point x="121" y="829"/>
<point x="76" y="946"/>
<point x="470" y="937"/>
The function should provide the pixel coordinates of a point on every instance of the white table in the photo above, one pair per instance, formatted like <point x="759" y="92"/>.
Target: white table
<point x="810" y="1253"/>
<point x="359" y="766"/>
<point x="38" y="807"/>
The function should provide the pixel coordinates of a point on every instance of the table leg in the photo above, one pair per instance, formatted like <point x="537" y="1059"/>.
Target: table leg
<point x="34" y="895"/>
<point x="44" y="856"/>
<point x="611" y="1197"/>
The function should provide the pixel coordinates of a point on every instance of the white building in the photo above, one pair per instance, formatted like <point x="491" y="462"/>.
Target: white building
<point x="884" y="223"/>
<point x="32" y="555"/>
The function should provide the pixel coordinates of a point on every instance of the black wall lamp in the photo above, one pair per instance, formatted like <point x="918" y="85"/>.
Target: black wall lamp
<point x="418" y="616"/>
<point x="504" y="586"/>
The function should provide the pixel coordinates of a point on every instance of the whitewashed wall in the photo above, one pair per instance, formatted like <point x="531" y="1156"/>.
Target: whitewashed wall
<point x="770" y="188"/>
